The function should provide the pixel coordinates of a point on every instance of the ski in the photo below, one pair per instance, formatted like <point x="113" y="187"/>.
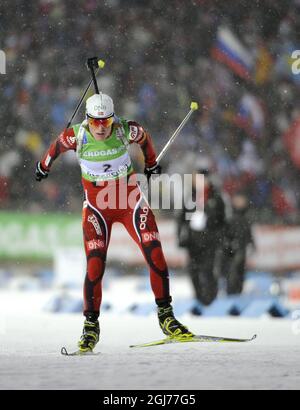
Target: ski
<point x="196" y="338"/>
<point x="64" y="352"/>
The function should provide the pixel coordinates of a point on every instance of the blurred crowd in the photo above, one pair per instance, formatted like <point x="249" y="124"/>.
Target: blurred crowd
<point x="159" y="57"/>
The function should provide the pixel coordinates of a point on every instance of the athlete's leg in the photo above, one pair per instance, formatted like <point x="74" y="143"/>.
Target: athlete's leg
<point x="96" y="233"/>
<point x="141" y="225"/>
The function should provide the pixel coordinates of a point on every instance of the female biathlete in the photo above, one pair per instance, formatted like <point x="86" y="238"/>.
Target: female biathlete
<point x="112" y="195"/>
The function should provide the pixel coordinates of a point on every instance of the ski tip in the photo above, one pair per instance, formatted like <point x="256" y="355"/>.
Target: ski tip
<point x="141" y="345"/>
<point x="254" y="337"/>
<point x="64" y="351"/>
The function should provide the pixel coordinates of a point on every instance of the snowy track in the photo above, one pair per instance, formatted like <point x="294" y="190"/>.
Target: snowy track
<point x="30" y="355"/>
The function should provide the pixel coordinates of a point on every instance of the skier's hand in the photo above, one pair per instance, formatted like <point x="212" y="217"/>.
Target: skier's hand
<point x="155" y="170"/>
<point x="40" y="172"/>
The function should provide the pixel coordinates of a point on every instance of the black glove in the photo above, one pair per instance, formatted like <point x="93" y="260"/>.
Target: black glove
<point x="40" y="172"/>
<point x="155" y="170"/>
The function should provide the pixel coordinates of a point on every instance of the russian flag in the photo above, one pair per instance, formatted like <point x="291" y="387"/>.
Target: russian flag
<point x="231" y="52"/>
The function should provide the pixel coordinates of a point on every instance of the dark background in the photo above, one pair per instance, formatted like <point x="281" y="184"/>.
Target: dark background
<point x="158" y="59"/>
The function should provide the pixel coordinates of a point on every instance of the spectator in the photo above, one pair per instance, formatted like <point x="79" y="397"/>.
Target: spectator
<point x="202" y="236"/>
<point x="237" y="237"/>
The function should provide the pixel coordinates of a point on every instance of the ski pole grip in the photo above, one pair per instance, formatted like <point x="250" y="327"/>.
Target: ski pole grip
<point x="92" y="63"/>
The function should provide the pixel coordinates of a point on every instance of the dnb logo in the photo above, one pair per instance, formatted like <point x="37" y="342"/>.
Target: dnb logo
<point x="2" y="62"/>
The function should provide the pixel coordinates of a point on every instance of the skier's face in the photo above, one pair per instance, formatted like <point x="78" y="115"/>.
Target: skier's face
<point x="100" y="129"/>
<point x="240" y="202"/>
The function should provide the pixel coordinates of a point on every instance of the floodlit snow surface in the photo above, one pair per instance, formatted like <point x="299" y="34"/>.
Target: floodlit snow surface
<point x="31" y="341"/>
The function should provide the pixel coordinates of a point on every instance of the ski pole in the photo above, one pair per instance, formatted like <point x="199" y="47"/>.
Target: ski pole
<point x="92" y="63"/>
<point x="194" y="106"/>
<point x="100" y="65"/>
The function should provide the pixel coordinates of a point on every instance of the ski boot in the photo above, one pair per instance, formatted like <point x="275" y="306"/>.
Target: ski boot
<point x="170" y="325"/>
<point x="90" y="336"/>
